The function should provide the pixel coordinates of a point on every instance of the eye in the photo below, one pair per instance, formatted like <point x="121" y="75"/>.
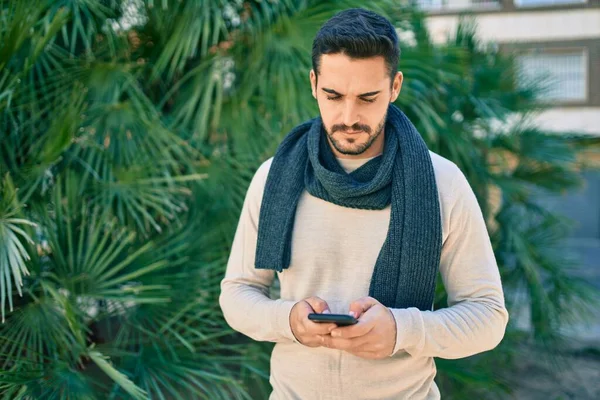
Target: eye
<point x="368" y="100"/>
<point x="334" y="98"/>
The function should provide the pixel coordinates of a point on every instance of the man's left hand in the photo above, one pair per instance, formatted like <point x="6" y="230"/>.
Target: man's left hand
<point x="373" y="337"/>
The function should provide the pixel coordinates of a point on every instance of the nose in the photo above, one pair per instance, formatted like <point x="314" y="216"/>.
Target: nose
<point x="350" y="116"/>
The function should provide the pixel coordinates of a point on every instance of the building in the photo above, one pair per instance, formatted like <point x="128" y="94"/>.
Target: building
<point x="561" y="38"/>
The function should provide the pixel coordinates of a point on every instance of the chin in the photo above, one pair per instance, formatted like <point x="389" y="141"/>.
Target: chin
<point x="352" y="151"/>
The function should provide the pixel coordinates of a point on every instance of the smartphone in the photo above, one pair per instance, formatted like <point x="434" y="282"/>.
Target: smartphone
<point x="338" y="319"/>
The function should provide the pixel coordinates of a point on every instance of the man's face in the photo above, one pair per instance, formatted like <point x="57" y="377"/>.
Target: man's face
<point x="353" y="98"/>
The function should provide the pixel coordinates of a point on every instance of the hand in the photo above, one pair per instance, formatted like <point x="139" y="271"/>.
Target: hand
<point x="373" y="337"/>
<point x="307" y="332"/>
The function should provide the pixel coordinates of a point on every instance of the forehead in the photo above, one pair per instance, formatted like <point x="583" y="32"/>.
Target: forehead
<point x="338" y="71"/>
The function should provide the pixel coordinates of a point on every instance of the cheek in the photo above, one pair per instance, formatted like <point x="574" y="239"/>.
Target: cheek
<point x="328" y="111"/>
<point x="376" y="113"/>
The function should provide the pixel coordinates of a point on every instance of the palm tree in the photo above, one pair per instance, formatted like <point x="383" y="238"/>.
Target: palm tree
<point x="129" y="134"/>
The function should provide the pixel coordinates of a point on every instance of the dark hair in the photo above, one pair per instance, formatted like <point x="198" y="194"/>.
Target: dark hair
<point x="358" y="33"/>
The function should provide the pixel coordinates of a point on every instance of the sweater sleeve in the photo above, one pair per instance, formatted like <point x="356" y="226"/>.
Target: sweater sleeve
<point x="476" y="318"/>
<point x="244" y="297"/>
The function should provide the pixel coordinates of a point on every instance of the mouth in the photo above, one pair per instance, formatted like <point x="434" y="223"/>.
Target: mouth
<point x="352" y="132"/>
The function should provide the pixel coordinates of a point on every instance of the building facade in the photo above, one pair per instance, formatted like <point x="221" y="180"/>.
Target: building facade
<point x="560" y="38"/>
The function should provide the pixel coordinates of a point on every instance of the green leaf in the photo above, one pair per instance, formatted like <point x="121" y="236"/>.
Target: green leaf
<point x="120" y="379"/>
<point x="13" y="255"/>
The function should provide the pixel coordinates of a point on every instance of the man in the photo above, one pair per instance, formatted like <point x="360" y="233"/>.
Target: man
<point x="357" y="216"/>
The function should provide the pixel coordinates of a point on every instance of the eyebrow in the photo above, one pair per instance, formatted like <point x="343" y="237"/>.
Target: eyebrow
<point x="331" y="91"/>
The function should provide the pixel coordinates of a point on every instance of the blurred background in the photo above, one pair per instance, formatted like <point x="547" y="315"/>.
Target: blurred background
<point x="130" y="130"/>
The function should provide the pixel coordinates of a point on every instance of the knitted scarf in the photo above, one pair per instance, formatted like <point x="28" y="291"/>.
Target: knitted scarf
<point x="405" y="271"/>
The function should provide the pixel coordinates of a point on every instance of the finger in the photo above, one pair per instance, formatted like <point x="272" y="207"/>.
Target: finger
<point x="337" y="343"/>
<point x="317" y="340"/>
<point x="362" y="343"/>
<point x="365" y="324"/>
<point x="318" y="328"/>
<point x="318" y="304"/>
<point x="324" y="340"/>
<point x="361" y="328"/>
<point x="361" y="305"/>
<point x="313" y="341"/>
<point x="332" y="343"/>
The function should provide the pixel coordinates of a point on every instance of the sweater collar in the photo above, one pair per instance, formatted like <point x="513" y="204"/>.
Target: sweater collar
<point x="350" y="164"/>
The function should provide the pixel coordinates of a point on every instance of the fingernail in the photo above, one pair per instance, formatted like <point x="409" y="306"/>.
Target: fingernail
<point x="326" y="312"/>
<point x="352" y="313"/>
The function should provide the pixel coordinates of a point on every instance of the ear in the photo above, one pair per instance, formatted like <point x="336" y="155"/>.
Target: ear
<point x="313" y="83"/>
<point x="396" y="86"/>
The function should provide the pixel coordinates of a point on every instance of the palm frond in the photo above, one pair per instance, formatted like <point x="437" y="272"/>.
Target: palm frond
<point x="60" y="382"/>
<point x="120" y="379"/>
<point x="13" y="255"/>
<point x="37" y="332"/>
<point x="91" y="256"/>
<point x="87" y="19"/>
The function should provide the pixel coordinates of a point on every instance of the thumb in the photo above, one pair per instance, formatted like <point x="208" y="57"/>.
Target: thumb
<point x="358" y="307"/>
<point x="318" y="304"/>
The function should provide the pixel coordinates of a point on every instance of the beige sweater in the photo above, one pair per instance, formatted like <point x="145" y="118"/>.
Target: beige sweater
<point x="334" y="250"/>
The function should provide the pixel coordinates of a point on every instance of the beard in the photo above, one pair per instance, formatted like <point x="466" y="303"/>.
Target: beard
<point x="352" y="144"/>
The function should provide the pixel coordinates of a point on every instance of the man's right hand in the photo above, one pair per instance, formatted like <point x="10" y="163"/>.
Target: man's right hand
<point x="307" y="332"/>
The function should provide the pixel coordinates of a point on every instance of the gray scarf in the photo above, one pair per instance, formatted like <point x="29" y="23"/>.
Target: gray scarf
<point x="406" y="268"/>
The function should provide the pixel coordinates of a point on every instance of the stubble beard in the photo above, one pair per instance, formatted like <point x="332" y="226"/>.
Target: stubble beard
<point x="344" y="146"/>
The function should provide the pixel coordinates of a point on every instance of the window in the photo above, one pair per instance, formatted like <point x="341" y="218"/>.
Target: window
<point x="566" y="73"/>
<point x="537" y="3"/>
<point x="449" y="5"/>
